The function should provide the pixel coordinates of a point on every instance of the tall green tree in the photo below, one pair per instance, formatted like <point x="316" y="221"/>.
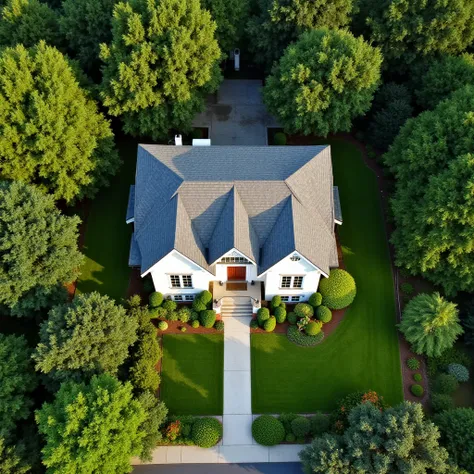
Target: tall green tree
<point x="12" y="459"/>
<point x="398" y="439"/>
<point x="430" y="324"/>
<point x="89" y="336"/>
<point x="409" y="29"/>
<point x="18" y="380"/>
<point x="432" y="160"/>
<point x="161" y="63"/>
<point x="38" y="249"/>
<point x="280" y="22"/>
<point x="51" y="133"/>
<point x="91" y="427"/>
<point x="322" y="82"/>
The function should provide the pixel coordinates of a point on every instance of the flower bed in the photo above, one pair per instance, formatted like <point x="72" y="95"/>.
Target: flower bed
<point x="204" y="432"/>
<point x="302" y="339"/>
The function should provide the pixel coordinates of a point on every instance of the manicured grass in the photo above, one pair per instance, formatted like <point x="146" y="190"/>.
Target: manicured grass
<point x="192" y="373"/>
<point x="107" y="238"/>
<point x="363" y="352"/>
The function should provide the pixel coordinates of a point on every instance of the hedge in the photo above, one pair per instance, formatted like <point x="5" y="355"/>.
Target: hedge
<point x="270" y="324"/>
<point x="300" y="426"/>
<point x="206" y="432"/>
<point x="338" y="290"/>
<point x="315" y="300"/>
<point x="262" y="315"/>
<point x="207" y="318"/>
<point x="268" y="431"/>
<point x="302" y="310"/>
<point x="313" y="328"/>
<point x="324" y="314"/>
<point x="155" y="300"/>
<point x="301" y="339"/>
<point x="280" y="314"/>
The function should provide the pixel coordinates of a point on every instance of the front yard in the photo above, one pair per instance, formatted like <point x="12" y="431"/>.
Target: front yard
<point x="362" y="353"/>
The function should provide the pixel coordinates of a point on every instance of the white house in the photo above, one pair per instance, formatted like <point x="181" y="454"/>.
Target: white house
<point x="254" y="220"/>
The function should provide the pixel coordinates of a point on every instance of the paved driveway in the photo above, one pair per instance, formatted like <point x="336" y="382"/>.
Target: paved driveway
<point x="236" y="114"/>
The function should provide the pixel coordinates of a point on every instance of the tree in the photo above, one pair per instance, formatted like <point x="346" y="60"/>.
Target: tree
<point x="398" y="439"/>
<point x="12" y="459"/>
<point x="86" y="24"/>
<point x="430" y="324"/>
<point x="161" y="63"/>
<point x="457" y="428"/>
<point x="444" y="76"/>
<point x="91" y="427"/>
<point x="432" y="161"/>
<point x="27" y="22"/>
<point x="18" y="380"/>
<point x="89" y="336"/>
<point x="30" y="274"/>
<point x="409" y="29"/>
<point x="51" y="133"/>
<point x="280" y="22"/>
<point x="322" y="82"/>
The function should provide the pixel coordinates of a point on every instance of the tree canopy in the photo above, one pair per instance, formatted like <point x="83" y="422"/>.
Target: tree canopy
<point x="430" y="324"/>
<point x="89" y="336"/>
<point x="432" y="159"/>
<point x="162" y="61"/>
<point x="12" y="459"/>
<point x="92" y="427"/>
<point x="18" y="380"/>
<point x="30" y="274"/>
<point x="51" y="133"/>
<point x="322" y="82"/>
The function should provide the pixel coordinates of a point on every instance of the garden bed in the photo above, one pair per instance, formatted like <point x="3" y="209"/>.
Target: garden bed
<point x="175" y="327"/>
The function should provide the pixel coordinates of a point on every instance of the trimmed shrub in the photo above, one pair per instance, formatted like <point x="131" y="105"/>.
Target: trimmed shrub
<point x="300" y="426"/>
<point x="268" y="431"/>
<point x="301" y="339"/>
<point x="262" y="315"/>
<point x="449" y="356"/>
<point x="283" y="305"/>
<point x="219" y="325"/>
<point x="194" y="316"/>
<point x="292" y="318"/>
<point x="195" y="324"/>
<point x="172" y="316"/>
<point x="320" y="424"/>
<point x="280" y="314"/>
<point x="407" y="289"/>
<point x="206" y="432"/>
<point x="199" y="305"/>
<point x="270" y="324"/>
<point x="162" y="325"/>
<point x="339" y="290"/>
<point x="290" y="438"/>
<point x="279" y="138"/>
<point x="445" y="384"/>
<point x="303" y="310"/>
<point x="155" y="300"/>
<point x="313" y="328"/>
<point x="184" y="315"/>
<point x="459" y="371"/>
<point x="254" y="324"/>
<point x="183" y="329"/>
<point x="417" y="377"/>
<point x="417" y="390"/>
<point x="153" y="312"/>
<point x="315" y="300"/>
<point x="205" y="296"/>
<point x="286" y="419"/>
<point x="441" y="402"/>
<point x="207" y="318"/>
<point x="324" y="314"/>
<point x="276" y="301"/>
<point x="413" y="364"/>
<point x="170" y="305"/>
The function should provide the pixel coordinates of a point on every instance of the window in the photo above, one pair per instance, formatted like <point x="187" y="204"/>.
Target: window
<point x="295" y="298"/>
<point x="295" y="258"/>
<point x="291" y="282"/>
<point x="189" y="298"/>
<point x="235" y="260"/>
<point x="181" y="281"/>
<point x="285" y="298"/>
<point x="178" y="297"/>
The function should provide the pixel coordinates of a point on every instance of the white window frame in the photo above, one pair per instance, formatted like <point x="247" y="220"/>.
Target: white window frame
<point x="292" y="282"/>
<point x="296" y="299"/>
<point x="178" y="298"/>
<point x="285" y="299"/>
<point x="181" y="280"/>
<point x="189" y="297"/>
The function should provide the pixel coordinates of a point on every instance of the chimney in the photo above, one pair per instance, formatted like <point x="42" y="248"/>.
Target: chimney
<point x="178" y="140"/>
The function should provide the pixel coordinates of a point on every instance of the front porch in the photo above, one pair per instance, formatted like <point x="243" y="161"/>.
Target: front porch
<point x="236" y="292"/>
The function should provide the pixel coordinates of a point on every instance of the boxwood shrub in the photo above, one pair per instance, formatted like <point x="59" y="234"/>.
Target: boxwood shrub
<point x="206" y="432"/>
<point x="184" y="314"/>
<point x="280" y="314"/>
<point x="262" y="315"/>
<point x="417" y="390"/>
<point x="441" y="402"/>
<point x="417" y="377"/>
<point x="199" y="305"/>
<point x="162" y="325"/>
<point x="292" y="318"/>
<point x="286" y="419"/>
<point x="254" y="324"/>
<point x="313" y="328"/>
<point x="276" y="301"/>
<point x="315" y="300"/>
<point x="338" y="290"/>
<point x="194" y="316"/>
<point x="172" y="315"/>
<point x="302" y="310"/>
<point x="301" y="339"/>
<point x="170" y="305"/>
<point x="195" y="324"/>
<point x="156" y="299"/>
<point x="205" y="296"/>
<point x="270" y="324"/>
<point x="300" y="426"/>
<point x="290" y="438"/>
<point x="268" y="431"/>
<point x="446" y="384"/>
<point x="207" y="318"/>
<point x="324" y="314"/>
<point x="219" y="325"/>
<point x="459" y="371"/>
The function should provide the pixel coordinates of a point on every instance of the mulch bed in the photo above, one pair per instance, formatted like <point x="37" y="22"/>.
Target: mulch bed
<point x="174" y="327"/>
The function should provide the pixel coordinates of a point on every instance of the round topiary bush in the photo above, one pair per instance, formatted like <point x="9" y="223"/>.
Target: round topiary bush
<point x="162" y="325"/>
<point x="254" y="324"/>
<point x="302" y="310"/>
<point x="207" y="318"/>
<point x="315" y="300"/>
<point x="441" y="402"/>
<point x="184" y="315"/>
<point x="268" y="431"/>
<point x="172" y="315"/>
<point x="300" y="426"/>
<point x="199" y="305"/>
<point x="417" y="390"/>
<point x="262" y="315"/>
<point x="459" y="371"/>
<point x="276" y="301"/>
<point x="279" y="138"/>
<point x="280" y="314"/>
<point x="290" y="438"/>
<point x="446" y="384"/>
<point x="205" y="296"/>
<point x="170" y="305"/>
<point x="313" y="328"/>
<point x="417" y="377"/>
<point x="155" y="300"/>
<point x="206" y="432"/>
<point x="292" y="318"/>
<point x="219" y="325"/>
<point x="270" y="324"/>
<point x="195" y="324"/>
<point x="183" y="329"/>
<point x="413" y="364"/>
<point x="339" y="290"/>
<point x="194" y="316"/>
<point x="324" y="314"/>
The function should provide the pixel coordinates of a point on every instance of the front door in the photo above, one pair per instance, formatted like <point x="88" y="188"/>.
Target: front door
<point x="236" y="273"/>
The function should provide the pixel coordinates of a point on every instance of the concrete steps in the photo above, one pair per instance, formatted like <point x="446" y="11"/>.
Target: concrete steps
<point x="236" y="310"/>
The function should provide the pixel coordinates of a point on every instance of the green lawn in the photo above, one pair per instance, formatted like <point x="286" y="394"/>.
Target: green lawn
<point x="192" y="373"/>
<point x="107" y="239"/>
<point x="363" y="352"/>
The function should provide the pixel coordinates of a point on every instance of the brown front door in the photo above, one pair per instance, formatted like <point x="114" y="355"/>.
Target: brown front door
<point x="236" y="273"/>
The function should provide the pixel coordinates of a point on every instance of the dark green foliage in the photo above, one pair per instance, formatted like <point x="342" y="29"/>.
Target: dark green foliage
<point x="195" y="324"/>
<point x="12" y="459"/>
<point x="407" y="289"/>
<point x="417" y="390"/>
<point x="280" y="314"/>
<point x="279" y="139"/>
<point x="313" y="328"/>
<point x="315" y="300"/>
<point x="219" y="325"/>
<point x="30" y="274"/>
<point x="91" y="335"/>
<point x="413" y="364"/>
<point x="290" y="438"/>
<point x="286" y="419"/>
<point x="147" y="37"/>
<point x="322" y="82"/>
<point x="69" y="153"/>
<point x="459" y="371"/>
<point x="263" y="314"/>
<point x="172" y="316"/>
<point x="199" y="305"/>
<point x="169" y="305"/>
<point x="206" y="432"/>
<point x="303" y="310"/>
<point x="207" y="318"/>
<point x="417" y="377"/>
<point x="163" y="325"/>
<point x="457" y="427"/>
<point x="267" y="430"/>
<point x="276" y="301"/>
<point x="194" y="316"/>
<point x="205" y="296"/>
<point x="254" y="324"/>
<point x="301" y="339"/>
<point x="92" y="427"/>
<point x="17" y="381"/>
<point x="324" y="314"/>
<point x="450" y="356"/>
<point x="339" y="290"/>
<point x="441" y="402"/>
<point x="430" y="324"/>
<point x="270" y="324"/>
<point x="320" y="423"/>
<point x="292" y="318"/>
<point x="156" y="299"/>
<point x="134" y="301"/>
<point x="301" y="426"/>
<point x="445" y="384"/>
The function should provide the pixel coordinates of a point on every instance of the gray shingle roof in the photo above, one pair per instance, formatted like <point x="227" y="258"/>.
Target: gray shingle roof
<point x="134" y="257"/>
<point x="264" y="201"/>
<point x="337" y="204"/>
<point x="131" y="203"/>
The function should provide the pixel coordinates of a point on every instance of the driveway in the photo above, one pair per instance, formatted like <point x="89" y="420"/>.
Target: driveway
<point x="236" y="115"/>
<point x="264" y="468"/>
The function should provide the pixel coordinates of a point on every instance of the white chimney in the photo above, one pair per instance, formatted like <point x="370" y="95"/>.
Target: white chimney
<point x="178" y="140"/>
<point x="237" y="59"/>
<point x="201" y="142"/>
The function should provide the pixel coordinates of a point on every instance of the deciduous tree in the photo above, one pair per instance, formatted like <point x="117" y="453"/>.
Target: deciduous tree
<point x="12" y="459"/>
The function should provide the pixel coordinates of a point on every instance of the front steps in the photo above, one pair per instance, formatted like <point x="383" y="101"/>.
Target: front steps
<point x="233" y="308"/>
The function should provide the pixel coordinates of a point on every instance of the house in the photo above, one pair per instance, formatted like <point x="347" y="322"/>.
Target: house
<point x="255" y="220"/>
